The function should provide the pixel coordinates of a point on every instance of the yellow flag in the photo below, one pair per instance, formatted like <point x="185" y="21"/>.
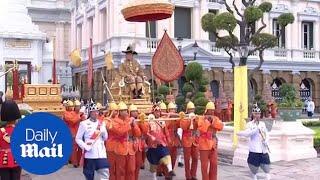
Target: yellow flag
<point x="109" y="61"/>
<point x="75" y="58"/>
<point x="240" y="100"/>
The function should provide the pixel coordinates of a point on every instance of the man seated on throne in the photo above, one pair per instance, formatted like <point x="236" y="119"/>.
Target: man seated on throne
<point x="132" y="73"/>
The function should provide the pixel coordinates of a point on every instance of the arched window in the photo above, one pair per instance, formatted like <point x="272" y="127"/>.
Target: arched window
<point x="275" y="88"/>
<point x="215" y="88"/>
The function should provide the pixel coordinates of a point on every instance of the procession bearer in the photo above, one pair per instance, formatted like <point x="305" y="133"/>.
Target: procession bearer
<point x="125" y="129"/>
<point x="139" y="143"/>
<point x="9" y="169"/>
<point x="157" y="138"/>
<point x="77" y="117"/>
<point x="190" y="138"/>
<point x="173" y="126"/>
<point x="111" y="141"/>
<point x="208" y="125"/>
<point x="72" y="120"/>
<point x="90" y="137"/>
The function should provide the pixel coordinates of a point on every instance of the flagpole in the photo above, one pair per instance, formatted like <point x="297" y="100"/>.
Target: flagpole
<point x="54" y="73"/>
<point x="152" y="77"/>
<point x="90" y="70"/>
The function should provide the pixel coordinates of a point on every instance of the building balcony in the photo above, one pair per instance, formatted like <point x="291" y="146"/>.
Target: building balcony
<point x="145" y="45"/>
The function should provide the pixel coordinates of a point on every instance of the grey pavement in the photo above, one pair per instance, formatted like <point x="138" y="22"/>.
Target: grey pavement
<point x="308" y="169"/>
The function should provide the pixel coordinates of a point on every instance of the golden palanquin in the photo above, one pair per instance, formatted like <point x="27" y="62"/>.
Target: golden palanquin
<point x="44" y="98"/>
<point x="122" y="93"/>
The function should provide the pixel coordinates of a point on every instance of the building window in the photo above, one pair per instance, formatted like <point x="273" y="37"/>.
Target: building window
<point x="103" y="23"/>
<point x="280" y="33"/>
<point x="90" y="27"/>
<point x="153" y="29"/>
<point x="307" y="35"/>
<point x="212" y="37"/>
<point x="182" y="23"/>
<point x="79" y="36"/>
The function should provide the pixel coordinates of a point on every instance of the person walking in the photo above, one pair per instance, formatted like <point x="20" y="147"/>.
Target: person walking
<point x="258" y="136"/>
<point x="90" y="137"/>
<point x="310" y="108"/>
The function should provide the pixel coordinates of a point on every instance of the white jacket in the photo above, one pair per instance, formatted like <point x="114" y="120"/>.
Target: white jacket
<point x="256" y="142"/>
<point x="85" y="131"/>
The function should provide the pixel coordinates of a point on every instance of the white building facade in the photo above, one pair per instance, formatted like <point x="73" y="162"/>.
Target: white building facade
<point x="26" y="36"/>
<point x="53" y="18"/>
<point x="296" y="59"/>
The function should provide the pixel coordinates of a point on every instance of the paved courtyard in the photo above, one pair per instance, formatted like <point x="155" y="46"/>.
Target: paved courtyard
<point x="308" y="169"/>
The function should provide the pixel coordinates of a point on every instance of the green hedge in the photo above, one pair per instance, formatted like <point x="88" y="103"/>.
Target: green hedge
<point x="314" y="125"/>
<point x="311" y="123"/>
<point x="316" y="136"/>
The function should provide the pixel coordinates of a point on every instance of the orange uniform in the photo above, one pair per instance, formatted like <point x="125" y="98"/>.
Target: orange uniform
<point x="157" y="138"/>
<point x="110" y="146"/>
<point x="208" y="126"/>
<point x="190" y="141"/>
<point x="125" y="148"/>
<point x="73" y="119"/>
<point x="174" y="142"/>
<point x="229" y="111"/>
<point x="141" y="145"/>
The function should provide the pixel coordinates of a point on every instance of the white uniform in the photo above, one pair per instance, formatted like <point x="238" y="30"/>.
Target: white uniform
<point x="258" y="148"/>
<point x="85" y="132"/>
<point x="256" y="143"/>
<point x="95" y="157"/>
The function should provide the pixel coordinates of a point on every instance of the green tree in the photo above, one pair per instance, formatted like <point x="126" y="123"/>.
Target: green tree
<point x="193" y="90"/>
<point x="244" y="19"/>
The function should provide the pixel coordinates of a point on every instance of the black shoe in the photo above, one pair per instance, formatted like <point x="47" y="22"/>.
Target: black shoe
<point x="142" y="167"/>
<point x="160" y="174"/>
<point x="180" y="164"/>
<point x="75" y="166"/>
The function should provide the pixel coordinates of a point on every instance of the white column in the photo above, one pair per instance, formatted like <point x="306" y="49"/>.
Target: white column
<point x="203" y="10"/>
<point x="196" y="25"/>
<point x="59" y="41"/>
<point x="73" y="34"/>
<point x="171" y="22"/>
<point x="96" y="27"/>
<point x="316" y="35"/>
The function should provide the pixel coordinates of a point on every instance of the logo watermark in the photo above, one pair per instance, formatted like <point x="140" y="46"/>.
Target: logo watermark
<point x="41" y="143"/>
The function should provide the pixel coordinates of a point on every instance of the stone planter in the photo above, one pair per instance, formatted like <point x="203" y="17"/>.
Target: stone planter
<point x="289" y="114"/>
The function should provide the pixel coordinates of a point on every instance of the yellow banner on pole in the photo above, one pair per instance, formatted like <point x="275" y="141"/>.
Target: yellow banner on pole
<point x="109" y="61"/>
<point x="240" y="100"/>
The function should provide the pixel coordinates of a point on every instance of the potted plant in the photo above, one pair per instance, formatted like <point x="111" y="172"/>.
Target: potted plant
<point x="290" y="105"/>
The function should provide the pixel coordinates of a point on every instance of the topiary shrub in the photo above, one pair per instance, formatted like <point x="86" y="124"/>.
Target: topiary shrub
<point x="187" y="87"/>
<point x="164" y="90"/>
<point x="180" y="101"/>
<point x="200" y="109"/>
<point x="285" y="19"/>
<point x="201" y="101"/>
<point x="207" y="22"/>
<point x="225" y="21"/>
<point x="252" y="14"/>
<point x="265" y="6"/>
<point x="227" y="42"/>
<point x="265" y="40"/>
<point x="198" y="95"/>
<point x="194" y="71"/>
